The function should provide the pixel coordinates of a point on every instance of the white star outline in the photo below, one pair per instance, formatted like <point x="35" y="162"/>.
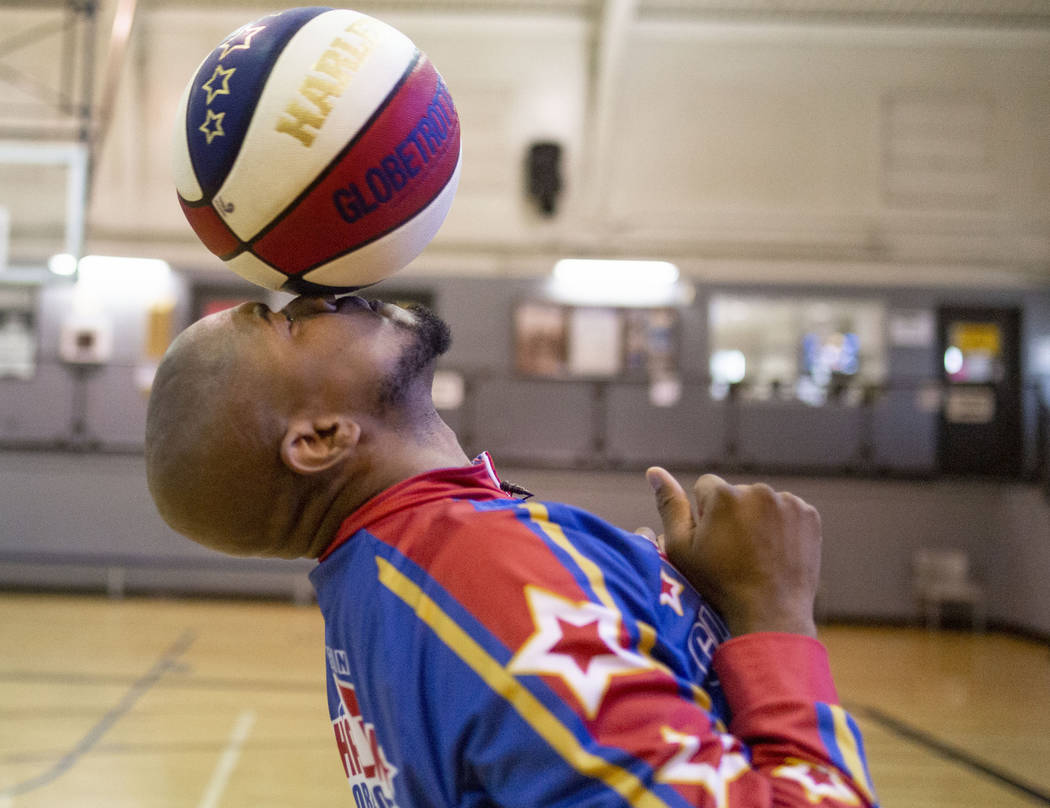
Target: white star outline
<point x="225" y="76"/>
<point x="715" y="780"/>
<point x="247" y="33"/>
<point x="536" y="657"/>
<point x="674" y="597"/>
<point x="214" y="118"/>
<point x="801" y="772"/>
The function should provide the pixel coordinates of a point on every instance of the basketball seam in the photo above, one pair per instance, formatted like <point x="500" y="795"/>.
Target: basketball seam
<point x="388" y="231"/>
<point x="207" y="198"/>
<point x="323" y="172"/>
<point x="200" y="203"/>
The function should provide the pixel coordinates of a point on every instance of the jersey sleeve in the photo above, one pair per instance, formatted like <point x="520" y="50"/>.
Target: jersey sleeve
<point x="801" y="742"/>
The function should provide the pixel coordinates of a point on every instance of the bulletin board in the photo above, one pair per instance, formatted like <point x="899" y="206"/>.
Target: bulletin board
<point x="558" y="341"/>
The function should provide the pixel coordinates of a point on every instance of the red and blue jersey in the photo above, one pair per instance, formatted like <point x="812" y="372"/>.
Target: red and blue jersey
<point x="487" y="651"/>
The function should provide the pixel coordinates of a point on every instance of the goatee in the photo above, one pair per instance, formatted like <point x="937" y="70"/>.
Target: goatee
<point x="431" y="338"/>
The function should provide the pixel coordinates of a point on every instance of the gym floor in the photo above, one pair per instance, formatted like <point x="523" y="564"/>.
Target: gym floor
<point x="154" y="703"/>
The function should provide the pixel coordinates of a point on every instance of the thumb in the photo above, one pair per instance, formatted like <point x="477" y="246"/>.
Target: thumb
<point x="673" y="505"/>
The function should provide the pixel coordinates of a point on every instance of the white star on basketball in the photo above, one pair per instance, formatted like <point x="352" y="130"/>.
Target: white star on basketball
<point x="218" y="75"/>
<point x="212" y="126"/>
<point x="579" y="642"/>
<point x="246" y="36"/>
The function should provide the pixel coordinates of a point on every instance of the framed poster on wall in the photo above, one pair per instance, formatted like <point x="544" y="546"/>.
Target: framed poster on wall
<point x="540" y="339"/>
<point x="559" y="341"/>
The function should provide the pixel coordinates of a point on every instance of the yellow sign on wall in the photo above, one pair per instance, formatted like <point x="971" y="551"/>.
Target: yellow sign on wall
<point x="985" y="338"/>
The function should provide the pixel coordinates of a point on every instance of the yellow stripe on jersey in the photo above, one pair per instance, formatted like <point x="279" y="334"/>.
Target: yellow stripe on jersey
<point x="647" y="639"/>
<point x="502" y="682"/>
<point x="851" y="753"/>
<point x="541" y="517"/>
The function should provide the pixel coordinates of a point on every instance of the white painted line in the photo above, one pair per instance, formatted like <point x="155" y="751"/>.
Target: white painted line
<point x="224" y="768"/>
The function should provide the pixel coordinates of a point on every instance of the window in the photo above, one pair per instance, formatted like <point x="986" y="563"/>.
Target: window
<point x="805" y="349"/>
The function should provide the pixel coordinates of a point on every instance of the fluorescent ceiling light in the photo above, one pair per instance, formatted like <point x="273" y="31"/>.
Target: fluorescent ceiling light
<point x="105" y="275"/>
<point x="114" y="266"/>
<point x="592" y="281"/>
<point x="109" y="268"/>
<point x="646" y="274"/>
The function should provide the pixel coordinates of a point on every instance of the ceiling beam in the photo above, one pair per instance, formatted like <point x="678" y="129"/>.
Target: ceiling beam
<point x="614" y="26"/>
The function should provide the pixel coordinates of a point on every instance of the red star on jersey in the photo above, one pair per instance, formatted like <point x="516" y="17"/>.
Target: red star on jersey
<point x="819" y="782"/>
<point x="577" y="642"/>
<point x="580" y="642"/>
<point x="714" y="777"/>
<point x="671" y="592"/>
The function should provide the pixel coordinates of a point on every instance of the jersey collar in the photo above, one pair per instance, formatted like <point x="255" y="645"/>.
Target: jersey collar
<point x="478" y="481"/>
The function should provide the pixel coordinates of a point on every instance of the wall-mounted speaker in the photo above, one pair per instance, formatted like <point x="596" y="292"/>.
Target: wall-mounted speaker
<point x="543" y="175"/>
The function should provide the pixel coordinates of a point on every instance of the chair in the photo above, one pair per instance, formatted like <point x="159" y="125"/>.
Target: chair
<point x="943" y="576"/>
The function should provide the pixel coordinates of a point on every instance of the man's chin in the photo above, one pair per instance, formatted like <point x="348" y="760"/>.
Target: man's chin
<point x="403" y="317"/>
<point x="434" y="335"/>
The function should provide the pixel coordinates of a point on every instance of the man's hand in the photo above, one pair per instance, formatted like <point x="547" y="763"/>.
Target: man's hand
<point x="753" y="553"/>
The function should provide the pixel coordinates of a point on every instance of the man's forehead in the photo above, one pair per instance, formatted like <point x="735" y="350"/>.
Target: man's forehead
<point x="209" y="338"/>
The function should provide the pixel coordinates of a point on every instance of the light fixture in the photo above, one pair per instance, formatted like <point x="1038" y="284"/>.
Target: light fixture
<point x="728" y="367"/>
<point x="612" y="282"/>
<point x="121" y="268"/>
<point x="616" y="272"/>
<point x="105" y="274"/>
<point x="109" y="269"/>
<point x="62" y="264"/>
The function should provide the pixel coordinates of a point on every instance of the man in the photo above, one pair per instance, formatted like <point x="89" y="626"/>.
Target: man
<point x="484" y="650"/>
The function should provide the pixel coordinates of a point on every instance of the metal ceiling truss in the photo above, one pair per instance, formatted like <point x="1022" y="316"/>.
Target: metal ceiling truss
<point x="952" y="13"/>
<point x="58" y="106"/>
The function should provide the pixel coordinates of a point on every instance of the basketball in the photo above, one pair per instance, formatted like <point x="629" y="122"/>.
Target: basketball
<point x="316" y="151"/>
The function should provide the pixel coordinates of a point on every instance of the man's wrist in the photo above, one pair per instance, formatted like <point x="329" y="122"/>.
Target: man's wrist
<point x="780" y="621"/>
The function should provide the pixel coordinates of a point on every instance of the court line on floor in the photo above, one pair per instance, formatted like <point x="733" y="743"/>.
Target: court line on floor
<point x="167" y="661"/>
<point x="228" y="761"/>
<point x="130" y="750"/>
<point x="195" y="683"/>
<point x="953" y="753"/>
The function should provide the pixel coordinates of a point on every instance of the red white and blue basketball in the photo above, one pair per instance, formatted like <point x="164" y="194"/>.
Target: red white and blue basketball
<point x="316" y="150"/>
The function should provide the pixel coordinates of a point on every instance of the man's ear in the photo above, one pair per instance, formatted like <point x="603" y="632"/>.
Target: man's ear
<point x="312" y="445"/>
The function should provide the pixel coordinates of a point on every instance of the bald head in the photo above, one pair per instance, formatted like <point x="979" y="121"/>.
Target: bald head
<point x="211" y="435"/>
<point x="266" y="429"/>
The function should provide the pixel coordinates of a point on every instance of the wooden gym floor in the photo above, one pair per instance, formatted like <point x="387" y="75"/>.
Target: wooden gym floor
<point x="206" y="704"/>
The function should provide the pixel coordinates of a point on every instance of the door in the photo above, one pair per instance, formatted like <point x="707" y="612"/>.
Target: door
<point x="980" y="430"/>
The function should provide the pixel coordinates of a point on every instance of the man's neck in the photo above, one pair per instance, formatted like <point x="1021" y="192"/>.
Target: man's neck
<point x="388" y="458"/>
